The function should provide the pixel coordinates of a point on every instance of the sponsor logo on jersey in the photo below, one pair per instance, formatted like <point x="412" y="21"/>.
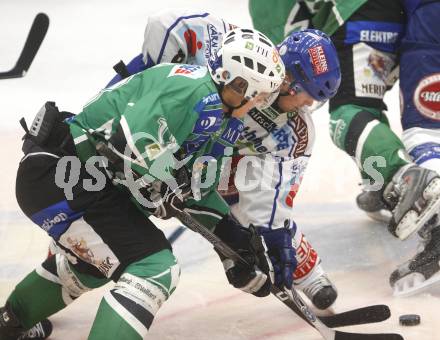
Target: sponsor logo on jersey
<point x="307" y="259"/>
<point x="292" y="194"/>
<point x="427" y="96"/>
<point x="380" y="65"/>
<point x="372" y="71"/>
<point x="213" y="42"/>
<point x="283" y="137"/>
<point x="190" y="71"/>
<point x="213" y="98"/>
<point x="271" y="113"/>
<point x="262" y="120"/>
<point x="81" y="249"/>
<point x="383" y="36"/>
<point x="232" y="131"/>
<point x="207" y="122"/>
<point x="251" y="136"/>
<point x="49" y="223"/>
<point x="192" y="145"/>
<point x="374" y="90"/>
<point x="192" y="42"/>
<point x="319" y="60"/>
<point x="302" y="134"/>
<point x="378" y="36"/>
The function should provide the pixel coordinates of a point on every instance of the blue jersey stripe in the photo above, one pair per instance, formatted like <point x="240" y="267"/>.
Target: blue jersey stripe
<point x="56" y="219"/>
<point x="277" y="189"/>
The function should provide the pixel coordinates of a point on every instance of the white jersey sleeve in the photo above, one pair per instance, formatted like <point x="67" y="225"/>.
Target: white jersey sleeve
<point x="268" y="182"/>
<point x="182" y="37"/>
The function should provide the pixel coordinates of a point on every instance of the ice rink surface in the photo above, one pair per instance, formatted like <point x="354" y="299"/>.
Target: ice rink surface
<point x="84" y="40"/>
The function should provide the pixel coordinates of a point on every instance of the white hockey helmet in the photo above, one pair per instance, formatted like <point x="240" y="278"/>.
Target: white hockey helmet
<point x="249" y="54"/>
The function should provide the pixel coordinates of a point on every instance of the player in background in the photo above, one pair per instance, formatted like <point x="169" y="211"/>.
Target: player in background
<point x="160" y="122"/>
<point x="369" y="34"/>
<point x="281" y="136"/>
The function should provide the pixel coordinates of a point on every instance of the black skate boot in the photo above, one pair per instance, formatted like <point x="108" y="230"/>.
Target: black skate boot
<point x="11" y="329"/>
<point x="40" y="331"/>
<point x="373" y="204"/>
<point x="319" y="289"/>
<point x="422" y="271"/>
<point x="417" y="193"/>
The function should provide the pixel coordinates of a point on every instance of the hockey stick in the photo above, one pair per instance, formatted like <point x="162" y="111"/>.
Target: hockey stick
<point x="33" y="42"/>
<point x="301" y="307"/>
<point x="176" y="234"/>
<point x="290" y="298"/>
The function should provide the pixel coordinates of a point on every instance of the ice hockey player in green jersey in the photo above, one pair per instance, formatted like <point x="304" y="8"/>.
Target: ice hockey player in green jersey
<point x="398" y="189"/>
<point x="162" y="123"/>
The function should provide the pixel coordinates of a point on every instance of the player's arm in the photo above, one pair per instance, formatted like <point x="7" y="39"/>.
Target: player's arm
<point x="162" y="44"/>
<point x="268" y="207"/>
<point x="278" y="21"/>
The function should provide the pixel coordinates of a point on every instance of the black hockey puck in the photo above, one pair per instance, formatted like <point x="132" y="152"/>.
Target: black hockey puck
<point x="409" y="320"/>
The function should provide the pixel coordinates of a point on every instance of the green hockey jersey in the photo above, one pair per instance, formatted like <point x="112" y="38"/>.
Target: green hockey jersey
<point x="149" y="119"/>
<point x="279" y="18"/>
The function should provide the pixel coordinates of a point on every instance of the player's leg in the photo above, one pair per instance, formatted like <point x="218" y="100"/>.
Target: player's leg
<point x="358" y="124"/>
<point x="43" y="292"/>
<point x="264" y="204"/>
<point x="127" y="311"/>
<point x="310" y="276"/>
<point x="11" y="328"/>
<point x="366" y="69"/>
<point x="103" y="231"/>
<point x="420" y="84"/>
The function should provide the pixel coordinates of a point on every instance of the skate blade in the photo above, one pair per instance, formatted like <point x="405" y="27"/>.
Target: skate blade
<point x="383" y="216"/>
<point x="411" y="221"/>
<point x="413" y="285"/>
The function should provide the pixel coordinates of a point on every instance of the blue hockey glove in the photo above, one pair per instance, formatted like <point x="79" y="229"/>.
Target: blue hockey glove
<point x="282" y="253"/>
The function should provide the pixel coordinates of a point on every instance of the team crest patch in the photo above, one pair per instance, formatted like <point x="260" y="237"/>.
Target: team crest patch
<point x="190" y="71"/>
<point x="427" y="96"/>
<point x="319" y="60"/>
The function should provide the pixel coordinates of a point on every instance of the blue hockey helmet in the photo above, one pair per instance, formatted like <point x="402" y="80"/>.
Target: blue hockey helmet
<point x="312" y="59"/>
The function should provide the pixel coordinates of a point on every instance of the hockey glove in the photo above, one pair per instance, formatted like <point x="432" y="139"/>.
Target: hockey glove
<point x="170" y="201"/>
<point x="256" y="276"/>
<point x="282" y="254"/>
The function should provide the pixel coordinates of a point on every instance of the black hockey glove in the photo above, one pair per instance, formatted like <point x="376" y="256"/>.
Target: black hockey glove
<point x="168" y="200"/>
<point x="282" y="253"/>
<point x="256" y="277"/>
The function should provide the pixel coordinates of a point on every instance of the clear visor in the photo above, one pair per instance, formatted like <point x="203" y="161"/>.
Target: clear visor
<point x="312" y="108"/>
<point x="294" y="88"/>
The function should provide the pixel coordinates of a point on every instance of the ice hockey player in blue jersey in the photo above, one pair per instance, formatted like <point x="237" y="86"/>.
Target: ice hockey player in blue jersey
<point x="420" y="105"/>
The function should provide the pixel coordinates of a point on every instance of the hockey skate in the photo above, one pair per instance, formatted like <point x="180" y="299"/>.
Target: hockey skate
<point x="415" y="194"/>
<point x="373" y="204"/>
<point x="319" y="290"/>
<point x="40" y="331"/>
<point x="10" y="328"/>
<point x="422" y="271"/>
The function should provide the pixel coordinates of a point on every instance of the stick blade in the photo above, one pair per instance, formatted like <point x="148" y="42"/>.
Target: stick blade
<point x="32" y="45"/>
<point x="360" y="316"/>
<point x="367" y="336"/>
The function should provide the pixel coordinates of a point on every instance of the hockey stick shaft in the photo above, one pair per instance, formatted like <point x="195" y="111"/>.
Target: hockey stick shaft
<point x="33" y="42"/>
<point x="176" y="234"/>
<point x="301" y="307"/>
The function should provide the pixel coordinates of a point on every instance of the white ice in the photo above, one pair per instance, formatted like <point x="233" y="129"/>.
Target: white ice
<point x="85" y="39"/>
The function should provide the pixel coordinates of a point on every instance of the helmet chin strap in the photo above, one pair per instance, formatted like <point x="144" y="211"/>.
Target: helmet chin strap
<point x="229" y="107"/>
